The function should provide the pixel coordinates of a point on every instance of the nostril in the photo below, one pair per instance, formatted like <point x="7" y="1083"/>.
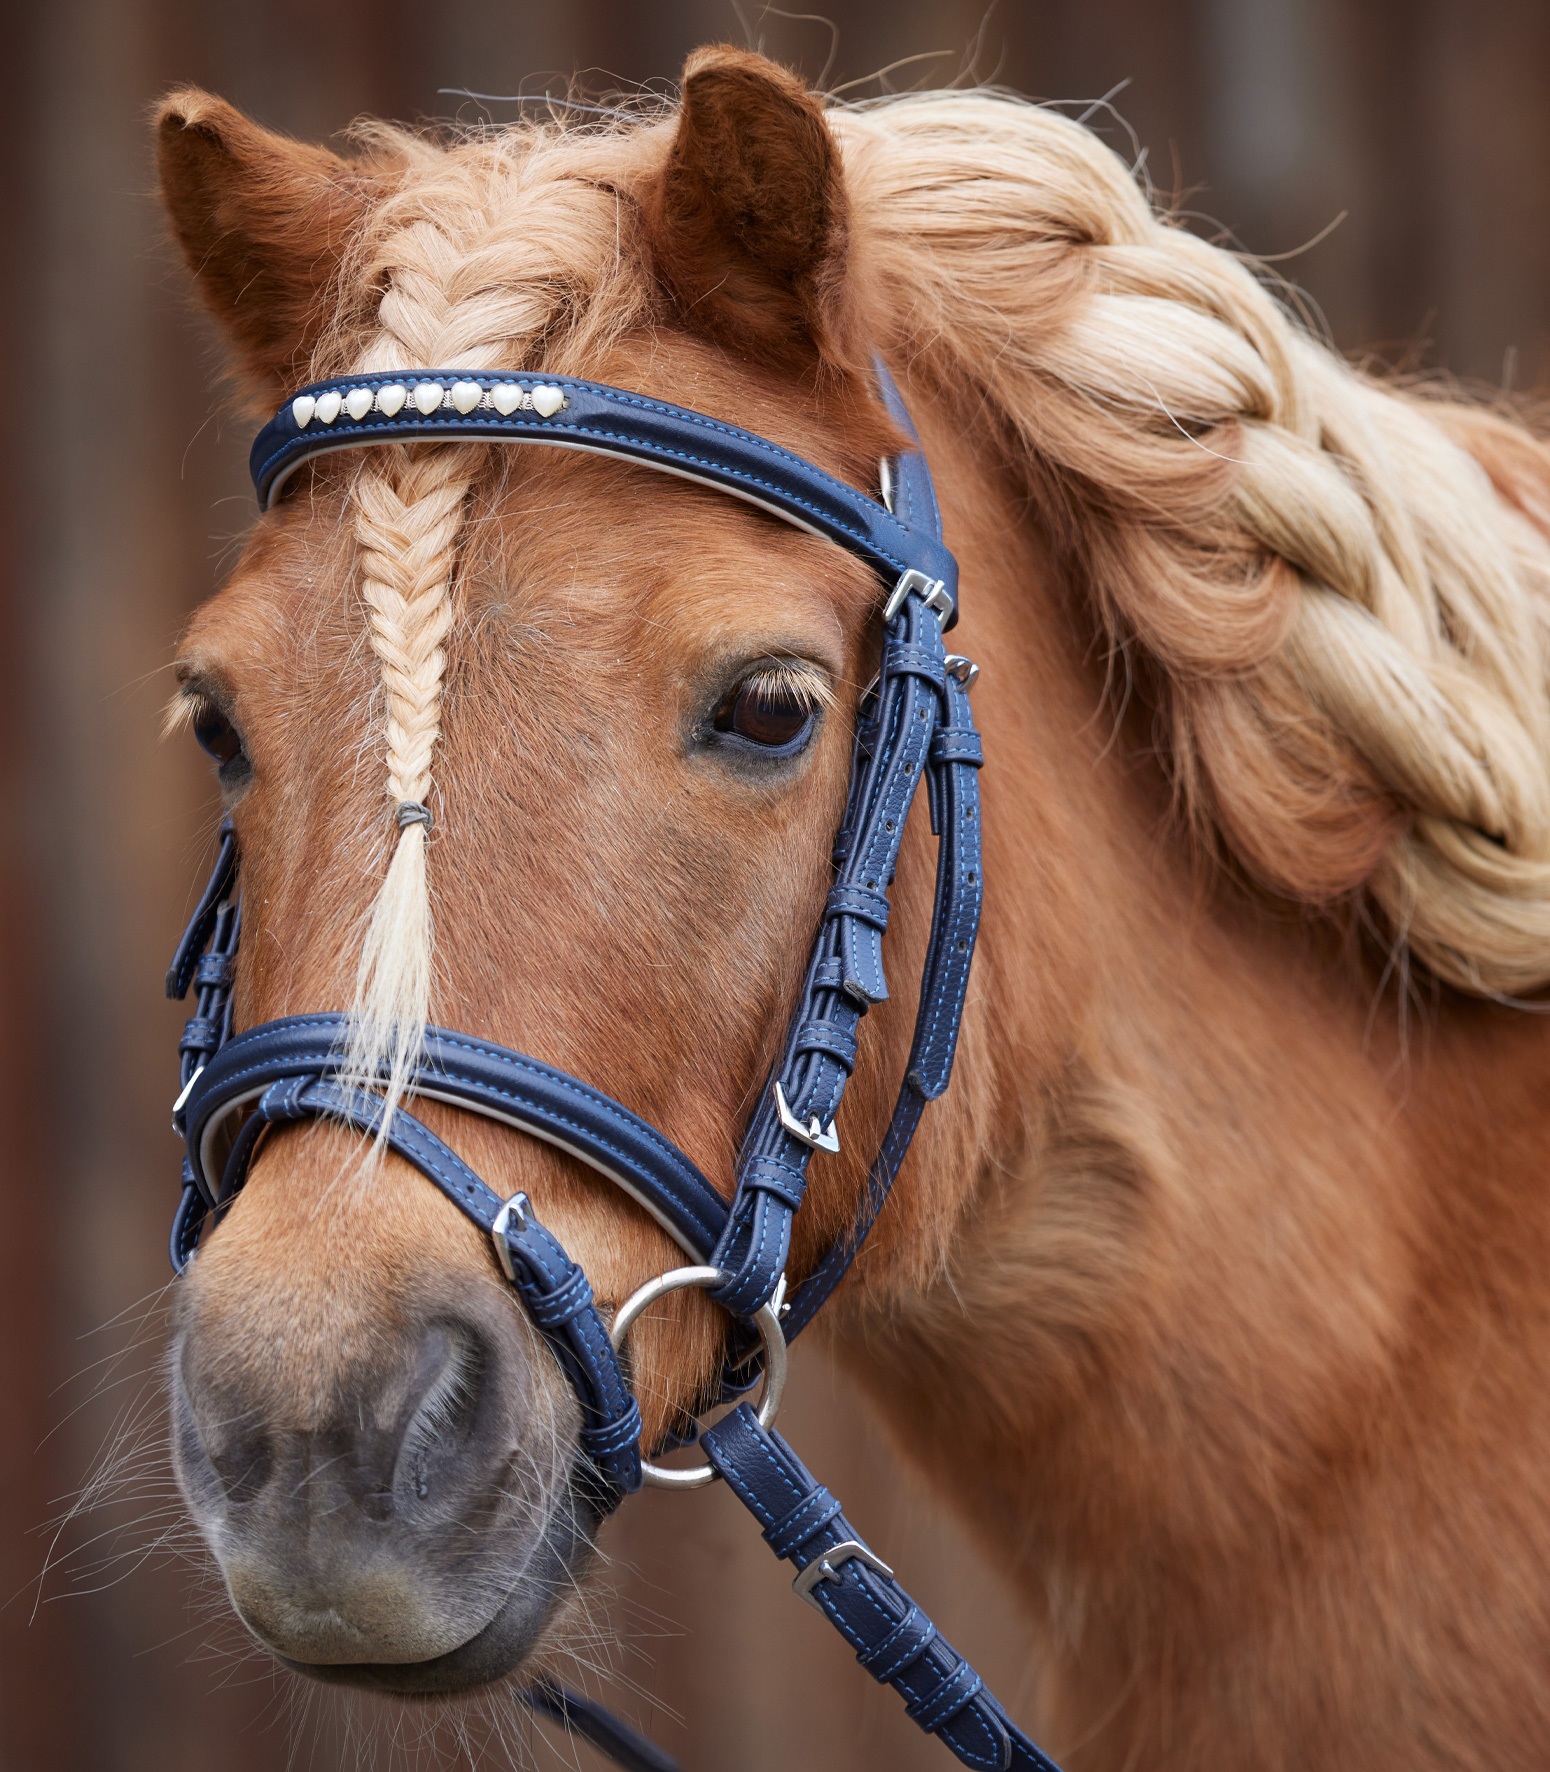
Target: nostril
<point x="453" y="1375"/>
<point x="386" y="1501"/>
<point x="244" y="1465"/>
<point x="225" y="1454"/>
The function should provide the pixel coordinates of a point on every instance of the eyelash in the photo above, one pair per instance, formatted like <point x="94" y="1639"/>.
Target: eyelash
<point x="770" y="713"/>
<point x="216" y="735"/>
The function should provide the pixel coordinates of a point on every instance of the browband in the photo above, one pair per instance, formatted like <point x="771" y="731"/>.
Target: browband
<point x="353" y="412"/>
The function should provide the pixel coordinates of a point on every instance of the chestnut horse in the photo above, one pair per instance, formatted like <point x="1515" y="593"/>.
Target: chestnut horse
<point x="1214" y="1293"/>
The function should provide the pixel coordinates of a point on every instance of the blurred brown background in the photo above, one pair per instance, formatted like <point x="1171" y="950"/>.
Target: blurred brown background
<point x="1425" y="124"/>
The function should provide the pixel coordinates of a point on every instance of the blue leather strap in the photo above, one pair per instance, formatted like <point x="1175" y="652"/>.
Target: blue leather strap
<point x="206" y="957"/>
<point x="913" y="499"/>
<point x="188" y="1220"/>
<point x="606" y="421"/>
<point x="814" y="1291"/>
<point x="892" y="1638"/>
<point x="196" y="937"/>
<point x="953" y="782"/>
<point x="592" y="1722"/>
<point x="477" y="1074"/>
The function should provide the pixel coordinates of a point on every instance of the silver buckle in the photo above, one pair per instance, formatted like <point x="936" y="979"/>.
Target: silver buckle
<point x="931" y="591"/>
<point x="827" y="1568"/>
<point x="815" y="1133"/>
<point x="963" y="671"/>
<point x="515" y="1207"/>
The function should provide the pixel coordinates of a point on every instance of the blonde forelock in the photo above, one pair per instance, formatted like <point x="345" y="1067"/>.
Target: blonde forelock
<point x="500" y="251"/>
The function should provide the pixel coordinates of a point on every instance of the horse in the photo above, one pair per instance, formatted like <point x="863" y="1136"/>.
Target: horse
<point x="1212" y="1294"/>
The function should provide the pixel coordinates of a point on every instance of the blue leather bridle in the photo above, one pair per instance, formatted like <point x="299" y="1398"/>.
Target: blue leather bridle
<point x="914" y="721"/>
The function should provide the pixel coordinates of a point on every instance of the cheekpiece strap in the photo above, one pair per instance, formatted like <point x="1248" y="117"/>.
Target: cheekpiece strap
<point x="916" y="722"/>
<point x="206" y="958"/>
<point x="195" y="938"/>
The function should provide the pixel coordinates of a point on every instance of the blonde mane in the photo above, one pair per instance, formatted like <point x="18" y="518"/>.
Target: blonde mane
<point x="1338" y="590"/>
<point x="1346" y="616"/>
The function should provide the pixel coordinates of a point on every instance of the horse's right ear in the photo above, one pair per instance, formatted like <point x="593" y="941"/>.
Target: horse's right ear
<point x="749" y="219"/>
<point x="263" y="222"/>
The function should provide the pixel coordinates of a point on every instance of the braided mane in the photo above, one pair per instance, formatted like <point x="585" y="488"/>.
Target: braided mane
<point x="1340" y="590"/>
<point x="1337" y="590"/>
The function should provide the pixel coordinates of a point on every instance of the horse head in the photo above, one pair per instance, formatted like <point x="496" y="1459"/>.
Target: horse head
<point x="625" y="704"/>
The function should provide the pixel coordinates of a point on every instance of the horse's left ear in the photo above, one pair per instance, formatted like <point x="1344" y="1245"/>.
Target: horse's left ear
<point x="749" y="221"/>
<point x="264" y="223"/>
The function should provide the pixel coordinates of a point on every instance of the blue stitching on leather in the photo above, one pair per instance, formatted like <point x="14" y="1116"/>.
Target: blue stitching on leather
<point x="909" y="1639"/>
<point x="965" y="921"/>
<point x="957" y="1690"/>
<point x="601" y="390"/>
<point x="509" y="1061"/>
<point x="808" y="1517"/>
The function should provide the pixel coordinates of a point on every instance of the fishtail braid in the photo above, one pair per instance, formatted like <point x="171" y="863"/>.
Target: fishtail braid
<point x="477" y="254"/>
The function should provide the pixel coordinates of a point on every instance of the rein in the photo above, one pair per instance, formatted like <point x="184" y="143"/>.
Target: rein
<point x="913" y="722"/>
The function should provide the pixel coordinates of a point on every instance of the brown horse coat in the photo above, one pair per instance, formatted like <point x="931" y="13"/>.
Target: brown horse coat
<point x="1213" y="1294"/>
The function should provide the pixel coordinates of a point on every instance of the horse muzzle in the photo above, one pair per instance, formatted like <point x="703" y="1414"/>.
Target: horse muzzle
<point x="414" y="1526"/>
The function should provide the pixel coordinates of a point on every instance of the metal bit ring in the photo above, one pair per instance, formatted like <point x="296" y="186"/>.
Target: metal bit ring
<point x="765" y="1320"/>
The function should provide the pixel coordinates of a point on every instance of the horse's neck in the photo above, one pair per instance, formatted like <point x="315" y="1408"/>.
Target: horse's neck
<point x="1232" y="1234"/>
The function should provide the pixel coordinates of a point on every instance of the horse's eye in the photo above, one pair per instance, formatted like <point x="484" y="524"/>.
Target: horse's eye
<point x="766" y="710"/>
<point x="216" y="734"/>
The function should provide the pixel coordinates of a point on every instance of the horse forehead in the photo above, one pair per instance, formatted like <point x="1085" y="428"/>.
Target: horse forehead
<point x="281" y="605"/>
<point x="639" y="552"/>
<point x="551" y="530"/>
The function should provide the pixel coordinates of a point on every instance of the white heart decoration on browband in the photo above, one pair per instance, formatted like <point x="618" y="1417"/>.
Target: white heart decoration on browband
<point x="428" y="396"/>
